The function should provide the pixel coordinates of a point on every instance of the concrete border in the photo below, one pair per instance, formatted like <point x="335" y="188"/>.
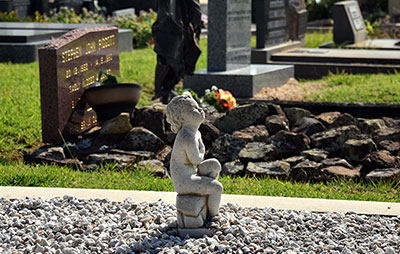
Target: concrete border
<point x="315" y="205"/>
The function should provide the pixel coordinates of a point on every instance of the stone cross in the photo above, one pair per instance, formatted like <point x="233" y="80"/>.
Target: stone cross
<point x="195" y="179"/>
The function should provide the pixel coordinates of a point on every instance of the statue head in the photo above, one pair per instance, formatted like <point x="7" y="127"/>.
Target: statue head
<point x="181" y="109"/>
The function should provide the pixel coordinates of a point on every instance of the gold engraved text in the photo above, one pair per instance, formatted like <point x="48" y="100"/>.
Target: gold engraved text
<point x="71" y="54"/>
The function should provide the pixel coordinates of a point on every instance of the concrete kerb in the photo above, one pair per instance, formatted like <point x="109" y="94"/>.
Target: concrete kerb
<point x="310" y="204"/>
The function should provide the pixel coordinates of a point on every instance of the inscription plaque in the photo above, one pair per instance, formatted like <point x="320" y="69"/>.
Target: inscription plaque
<point x="348" y="23"/>
<point x="271" y="22"/>
<point x="229" y="34"/>
<point x="68" y="65"/>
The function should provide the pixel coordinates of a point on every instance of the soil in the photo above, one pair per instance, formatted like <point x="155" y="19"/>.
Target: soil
<point x="291" y="91"/>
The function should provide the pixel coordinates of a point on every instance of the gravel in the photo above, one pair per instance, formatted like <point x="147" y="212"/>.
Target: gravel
<point x="69" y="225"/>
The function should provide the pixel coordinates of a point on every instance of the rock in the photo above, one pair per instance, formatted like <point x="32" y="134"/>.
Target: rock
<point x="306" y="170"/>
<point x="369" y="126"/>
<point x="154" y="166"/>
<point x="295" y="114"/>
<point x="257" y="151"/>
<point x="339" y="171"/>
<point x="141" y="139"/>
<point x="315" y="154"/>
<point x="242" y="116"/>
<point x="275" y="109"/>
<point x="192" y="210"/>
<point x="327" y="118"/>
<point x="379" y="159"/>
<point x="380" y="173"/>
<point x="391" y="123"/>
<point x="294" y="160"/>
<point x="151" y="118"/>
<point x="143" y="155"/>
<point x="336" y="162"/>
<point x="118" y="125"/>
<point x="226" y="148"/>
<point x="289" y="143"/>
<point x="343" y="120"/>
<point x="308" y="126"/>
<point x="102" y="158"/>
<point x="276" y="123"/>
<point x="387" y="134"/>
<point x="233" y="168"/>
<point x="355" y="150"/>
<point x="391" y="146"/>
<point x="209" y="133"/>
<point x="258" y="133"/>
<point x="332" y="140"/>
<point x="274" y="168"/>
<point x="164" y="154"/>
<point x="52" y="153"/>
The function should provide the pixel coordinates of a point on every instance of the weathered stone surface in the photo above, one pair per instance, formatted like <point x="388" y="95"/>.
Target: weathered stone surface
<point x="379" y="159"/>
<point x="383" y="173"/>
<point x="53" y="153"/>
<point x="152" y="118"/>
<point x="391" y="123"/>
<point x="356" y="150"/>
<point x="274" y="168"/>
<point x="294" y="160"/>
<point x="275" y="109"/>
<point x="343" y="120"/>
<point x="332" y="140"/>
<point x="276" y="123"/>
<point x="317" y="155"/>
<point x="164" y="154"/>
<point x="369" y="126"/>
<point x="391" y="146"/>
<point x="327" y="118"/>
<point x="226" y="148"/>
<point x="209" y="133"/>
<point x="339" y="171"/>
<point x="308" y="126"/>
<point x="294" y="114"/>
<point x="154" y="166"/>
<point x="242" y="116"/>
<point x="141" y="139"/>
<point x="192" y="210"/>
<point x="257" y="151"/>
<point x="233" y="168"/>
<point x="336" y="162"/>
<point x="306" y="170"/>
<point x="122" y="160"/>
<point x="258" y="133"/>
<point x="387" y="134"/>
<point x="118" y="125"/>
<point x="289" y="143"/>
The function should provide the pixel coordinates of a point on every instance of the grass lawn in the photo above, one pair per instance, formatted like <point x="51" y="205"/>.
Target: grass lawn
<point x="20" y="132"/>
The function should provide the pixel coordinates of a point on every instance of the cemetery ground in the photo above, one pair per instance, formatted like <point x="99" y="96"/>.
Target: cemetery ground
<point x="20" y="133"/>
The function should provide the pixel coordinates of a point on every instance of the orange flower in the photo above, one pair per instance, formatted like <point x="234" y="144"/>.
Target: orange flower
<point x="226" y="99"/>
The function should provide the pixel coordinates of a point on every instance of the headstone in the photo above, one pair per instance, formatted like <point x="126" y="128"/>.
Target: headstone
<point x="23" y="7"/>
<point x="229" y="53"/>
<point x="281" y="25"/>
<point x="68" y="65"/>
<point x="229" y="35"/>
<point x="129" y="12"/>
<point x="394" y="9"/>
<point x="271" y="21"/>
<point x="348" y="23"/>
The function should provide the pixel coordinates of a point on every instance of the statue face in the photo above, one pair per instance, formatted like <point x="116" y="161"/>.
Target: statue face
<point x="194" y="113"/>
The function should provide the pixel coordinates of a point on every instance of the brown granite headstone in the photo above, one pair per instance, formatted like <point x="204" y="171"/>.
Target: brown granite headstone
<point x="68" y="65"/>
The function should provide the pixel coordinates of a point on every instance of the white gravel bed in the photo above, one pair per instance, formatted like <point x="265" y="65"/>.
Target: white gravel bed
<point x="69" y="225"/>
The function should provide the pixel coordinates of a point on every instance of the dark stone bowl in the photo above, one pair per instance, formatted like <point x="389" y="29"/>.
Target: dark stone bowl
<point x="108" y="101"/>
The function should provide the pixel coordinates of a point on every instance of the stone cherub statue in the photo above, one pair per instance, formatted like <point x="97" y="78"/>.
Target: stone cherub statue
<point x="195" y="179"/>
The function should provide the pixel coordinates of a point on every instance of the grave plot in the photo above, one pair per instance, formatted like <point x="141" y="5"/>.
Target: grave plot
<point x="229" y="53"/>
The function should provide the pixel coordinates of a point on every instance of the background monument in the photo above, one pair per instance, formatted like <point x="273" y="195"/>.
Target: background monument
<point x="229" y="53"/>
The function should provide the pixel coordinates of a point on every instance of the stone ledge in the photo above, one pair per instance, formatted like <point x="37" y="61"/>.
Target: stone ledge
<point x="310" y="204"/>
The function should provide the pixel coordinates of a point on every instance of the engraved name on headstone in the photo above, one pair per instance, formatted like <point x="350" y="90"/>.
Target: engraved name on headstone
<point x="271" y="21"/>
<point x="348" y="23"/>
<point x="68" y="65"/>
<point x="229" y="34"/>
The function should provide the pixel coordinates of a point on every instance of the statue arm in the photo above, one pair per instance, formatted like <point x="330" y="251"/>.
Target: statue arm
<point x="194" y="152"/>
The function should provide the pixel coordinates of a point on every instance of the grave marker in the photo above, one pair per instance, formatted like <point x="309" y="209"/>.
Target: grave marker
<point x="229" y="54"/>
<point x="348" y="23"/>
<point x="68" y="65"/>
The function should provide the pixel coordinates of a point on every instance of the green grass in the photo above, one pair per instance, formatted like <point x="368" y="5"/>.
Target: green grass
<point x="109" y="177"/>
<point x="20" y="131"/>
<point x="313" y="40"/>
<point x="373" y="88"/>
